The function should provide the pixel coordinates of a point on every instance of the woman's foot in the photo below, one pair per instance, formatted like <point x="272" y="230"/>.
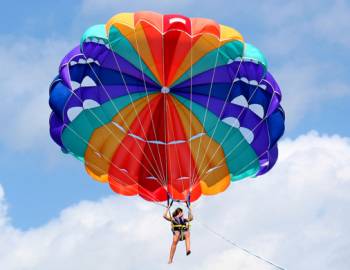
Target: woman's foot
<point x="188" y="252"/>
<point x="170" y="262"/>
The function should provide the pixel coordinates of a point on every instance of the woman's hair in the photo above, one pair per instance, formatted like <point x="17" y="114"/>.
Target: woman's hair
<point x="176" y="212"/>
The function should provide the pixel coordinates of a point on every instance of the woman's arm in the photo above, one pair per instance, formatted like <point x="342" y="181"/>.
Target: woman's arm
<point x="190" y="216"/>
<point x="166" y="214"/>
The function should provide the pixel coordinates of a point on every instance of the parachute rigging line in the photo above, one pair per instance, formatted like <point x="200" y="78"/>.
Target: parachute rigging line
<point x="133" y="105"/>
<point x="145" y="98"/>
<point x="148" y="103"/>
<point x="238" y="246"/>
<point x="113" y="164"/>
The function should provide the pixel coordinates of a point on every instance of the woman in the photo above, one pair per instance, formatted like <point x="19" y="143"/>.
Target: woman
<point x="180" y="229"/>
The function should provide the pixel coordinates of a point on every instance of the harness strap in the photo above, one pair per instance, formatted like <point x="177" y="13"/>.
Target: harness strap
<point x="188" y="201"/>
<point x="180" y="226"/>
<point x="170" y="200"/>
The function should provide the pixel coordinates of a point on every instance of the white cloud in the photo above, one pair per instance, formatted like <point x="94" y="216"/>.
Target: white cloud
<point x="333" y="25"/>
<point x="232" y="259"/>
<point x="297" y="216"/>
<point x="306" y="87"/>
<point x="3" y="208"/>
<point x="283" y="31"/>
<point x="30" y="65"/>
<point x="305" y="42"/>
<point x="299" y="38"/>
<point x="92" y="7"/>
<point x="300" y="25"/>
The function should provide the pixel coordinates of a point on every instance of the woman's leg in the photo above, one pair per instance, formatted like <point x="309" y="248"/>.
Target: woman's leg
<point x="187" y="242"/>
<point x="176" y="237"/>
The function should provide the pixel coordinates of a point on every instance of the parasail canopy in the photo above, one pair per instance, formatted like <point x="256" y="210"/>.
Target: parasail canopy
<point x="165" y="104"/>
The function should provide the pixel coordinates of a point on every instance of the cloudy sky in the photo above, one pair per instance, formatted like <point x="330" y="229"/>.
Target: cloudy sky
<point x="52" y="216"/>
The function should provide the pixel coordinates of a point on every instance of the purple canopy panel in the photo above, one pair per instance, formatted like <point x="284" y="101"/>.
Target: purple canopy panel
<point x="106" y="58"/>
<point x="56" y="128"/>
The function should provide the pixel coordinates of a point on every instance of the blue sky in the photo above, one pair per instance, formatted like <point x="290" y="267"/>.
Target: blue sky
<point x="312" y="93"/>
<point x="306" y="43"/>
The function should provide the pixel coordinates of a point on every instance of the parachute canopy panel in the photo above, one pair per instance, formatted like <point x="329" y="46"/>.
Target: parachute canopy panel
<point x="165" y="104"/>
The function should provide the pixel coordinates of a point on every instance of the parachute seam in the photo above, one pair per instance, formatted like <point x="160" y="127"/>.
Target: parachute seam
<point x="97" y="77"/>
<point x="222" y="110"/>
<point x="206" y="111"/>
<point x="153" y="127"/>
<point x="138" y="118"/>
<point x="114" y="165"/>
<point x="231" y="151"/>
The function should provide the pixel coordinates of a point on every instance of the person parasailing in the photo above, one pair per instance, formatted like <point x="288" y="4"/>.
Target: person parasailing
<point x="180" y="227"/>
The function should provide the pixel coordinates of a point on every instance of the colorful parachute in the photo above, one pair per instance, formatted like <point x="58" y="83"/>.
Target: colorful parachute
<point x="164" y="104"/>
